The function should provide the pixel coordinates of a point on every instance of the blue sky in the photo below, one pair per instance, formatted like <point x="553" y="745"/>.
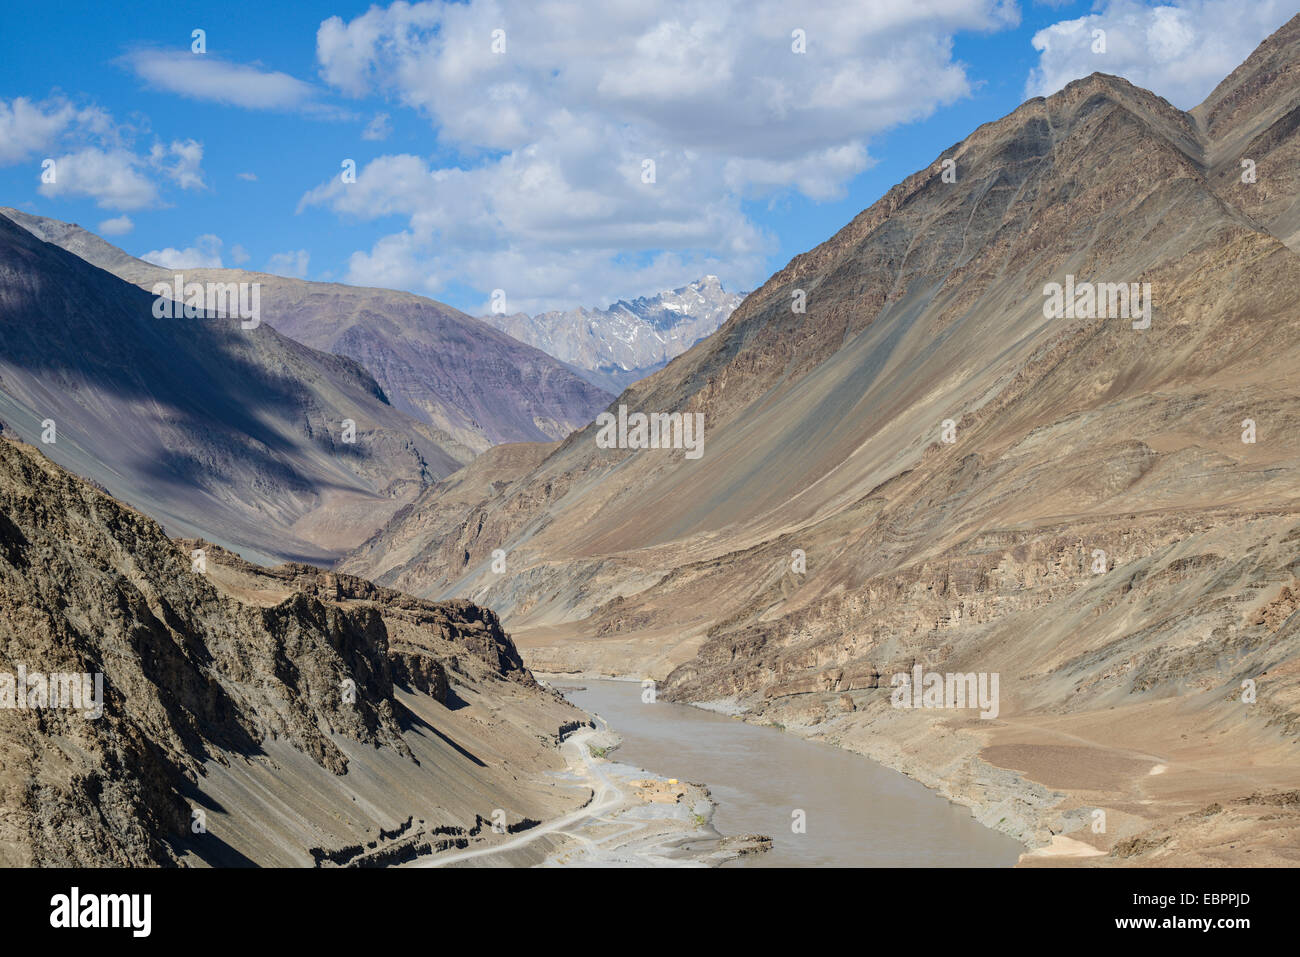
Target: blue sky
<point x="522" y="167"/>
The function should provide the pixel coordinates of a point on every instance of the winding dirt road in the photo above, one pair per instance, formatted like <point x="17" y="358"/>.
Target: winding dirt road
<point x="637" y="841"/>
<point x="608" y="797"/>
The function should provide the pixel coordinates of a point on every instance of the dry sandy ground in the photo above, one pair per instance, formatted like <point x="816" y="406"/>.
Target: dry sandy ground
<point x="1180" y="791"/>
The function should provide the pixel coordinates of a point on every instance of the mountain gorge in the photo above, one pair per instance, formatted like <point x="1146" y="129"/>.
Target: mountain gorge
<point x="912" y="461"/>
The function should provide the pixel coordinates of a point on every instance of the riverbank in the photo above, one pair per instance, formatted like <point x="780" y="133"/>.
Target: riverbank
<point x="942" y="754"/>
<point x="633" y="819"/>
<point x="1180" y="781"/>
<point x="822" y="806"/>
<point x="1161" y="783"/>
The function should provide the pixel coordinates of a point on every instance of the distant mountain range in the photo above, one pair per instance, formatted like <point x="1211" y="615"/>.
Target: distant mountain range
<point x="238" y="435"/>
<point x="925" y="470"/>
<point x="617" y="346"/>
<point x="458" y="374"/>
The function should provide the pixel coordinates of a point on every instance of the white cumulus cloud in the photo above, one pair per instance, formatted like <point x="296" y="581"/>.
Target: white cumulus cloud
<point x="114" y="178"/>
<point x="204" y="254"/>
<point x="93" y="155"/>
<point x="117" y="178"/>
<point x="118" y="226"/>
<point x="560" y="108"/>
<point x="290" y="264"/>
<point x="27" y="128"/>
<point x="1178" y="50"/>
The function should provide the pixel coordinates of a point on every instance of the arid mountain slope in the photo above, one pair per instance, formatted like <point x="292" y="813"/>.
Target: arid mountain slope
<point x="439" y="514"/>
<point x="434" y="363"/>
<point x="1250" y="122"/>
<point x="235" y="434"/>
<point x="925" y="467"/>
<point x="288" y="716"/>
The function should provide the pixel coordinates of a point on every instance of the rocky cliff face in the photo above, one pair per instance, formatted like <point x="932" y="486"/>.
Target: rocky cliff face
<point x="245" y="711"/>
<point x="909" y="461"/>
<point x="630" y="339"/>
<point x="459" y="375"/>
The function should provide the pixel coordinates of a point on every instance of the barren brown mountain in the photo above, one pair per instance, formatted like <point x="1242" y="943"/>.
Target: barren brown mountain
<point x="1101" y="531"/>
<point x="239" y="435"/>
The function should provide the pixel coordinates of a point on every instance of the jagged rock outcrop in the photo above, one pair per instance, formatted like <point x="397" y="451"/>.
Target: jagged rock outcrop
<point x="214" y="668"/>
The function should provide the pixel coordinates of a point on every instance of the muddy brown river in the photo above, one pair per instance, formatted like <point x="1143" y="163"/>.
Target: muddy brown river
<point x="857" y="813"/>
